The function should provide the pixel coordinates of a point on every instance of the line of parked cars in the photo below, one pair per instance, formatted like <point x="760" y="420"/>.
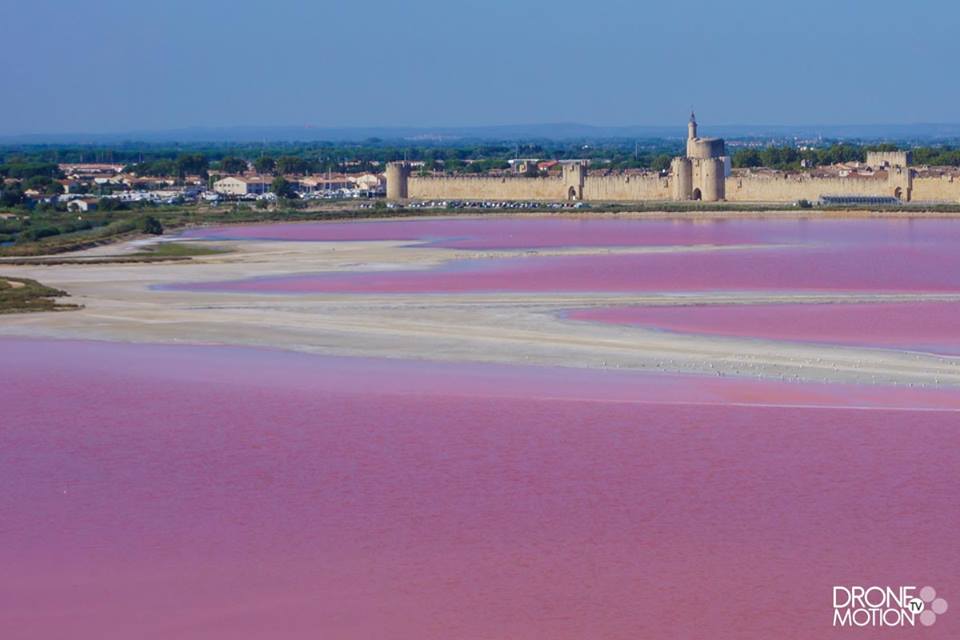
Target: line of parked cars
<point x="488" y="204"/>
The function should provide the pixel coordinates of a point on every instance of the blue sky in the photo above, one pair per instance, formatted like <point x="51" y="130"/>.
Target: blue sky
<point x="106" y="66"/>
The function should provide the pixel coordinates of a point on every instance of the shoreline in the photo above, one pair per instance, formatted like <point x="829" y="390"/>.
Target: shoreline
<point x="342" y="216"/>
<point x="776" y="213"/>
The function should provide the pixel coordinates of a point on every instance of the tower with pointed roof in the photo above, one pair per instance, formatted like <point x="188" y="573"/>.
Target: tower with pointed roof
<point x="701" y="175"/>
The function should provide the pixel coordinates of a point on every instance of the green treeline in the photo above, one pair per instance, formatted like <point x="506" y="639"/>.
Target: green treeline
<point x="25" y="162"/>
<point x="787" y="158"/>
<point x="305" y="158"/>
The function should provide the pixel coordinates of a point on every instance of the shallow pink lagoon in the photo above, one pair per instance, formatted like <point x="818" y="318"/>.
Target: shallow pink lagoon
<point x="823" y="255"/>
<point x="496" y="233"/>
<point x="506" y="232"/>
<point x="926" y="326"/>
<point x="854" y="269"/>
<point x="194" y="492"/>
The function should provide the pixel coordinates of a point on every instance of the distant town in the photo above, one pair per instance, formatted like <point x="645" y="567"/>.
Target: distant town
<point x="82" y="178"/>
<point x="84" y="186"/>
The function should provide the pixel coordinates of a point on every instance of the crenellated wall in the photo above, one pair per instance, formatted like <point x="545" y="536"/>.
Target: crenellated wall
<point x="944" y="188"/>
<point x="782" y="187"/>
<point x="888" y="158"/>
<point x="626" y="187"/>
<point x="703" y="177"/>
<point x="485" y="188"/>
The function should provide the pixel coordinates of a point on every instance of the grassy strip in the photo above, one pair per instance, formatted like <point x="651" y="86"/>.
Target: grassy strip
<point x="133" y="258"/>
<point x="179" y="250"/>
<point x="21" y="295"/>
<point x="78" y="241"/>
<point x="161" y="252"/>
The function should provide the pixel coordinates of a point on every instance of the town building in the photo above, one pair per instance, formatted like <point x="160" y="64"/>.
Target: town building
<point x="242" y="185"/>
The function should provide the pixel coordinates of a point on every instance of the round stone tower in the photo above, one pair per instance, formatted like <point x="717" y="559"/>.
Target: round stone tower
<point x="712" y="180"/>
<point x="682" y="171"/>
<point x="398" y="176"/>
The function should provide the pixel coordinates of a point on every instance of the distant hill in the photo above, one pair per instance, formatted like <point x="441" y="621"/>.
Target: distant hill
<point x="503" y="133"/>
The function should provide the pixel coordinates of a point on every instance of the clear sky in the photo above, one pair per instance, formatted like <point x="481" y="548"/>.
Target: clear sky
<point x="113" y="66"/>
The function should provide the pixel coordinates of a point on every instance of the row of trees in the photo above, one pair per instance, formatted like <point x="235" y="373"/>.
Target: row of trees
<point x="20" y="170"/>
<point x="185" y="164"/>
<point x="937" y="156"/>
<point x="785" y="157"/>
<point x="28" y="161"/>
<point x="318" y="157"/>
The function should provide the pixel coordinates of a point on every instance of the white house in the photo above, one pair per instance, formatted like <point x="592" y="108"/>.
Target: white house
<point x="242" y="185"/>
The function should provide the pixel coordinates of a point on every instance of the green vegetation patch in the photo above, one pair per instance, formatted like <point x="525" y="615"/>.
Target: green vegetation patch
<point x="180" y="249"/>
<point x="22" y="295"/>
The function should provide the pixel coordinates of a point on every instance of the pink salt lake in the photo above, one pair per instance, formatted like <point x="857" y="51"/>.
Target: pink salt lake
<point x="215" y="492"/>
<point x="916" y="326"/>
<point x="820" y="255"/>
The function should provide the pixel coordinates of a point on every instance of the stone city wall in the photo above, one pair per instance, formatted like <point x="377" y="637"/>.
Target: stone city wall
<point x="778" y="187"/>
<point x="793" y="187"/>
<point x="936" y="189"/>
<point x="626" y="188"/>
<point x="485" y="188"/>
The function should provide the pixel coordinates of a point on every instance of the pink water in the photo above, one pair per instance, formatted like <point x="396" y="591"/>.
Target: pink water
<point x="192" y="492"/>
<point x="497" y="233"/>
<point x="506" y="232"/>
<point x="824" y="255"/>
<point x="881" y="269"/>
<point x="926" y="326"/>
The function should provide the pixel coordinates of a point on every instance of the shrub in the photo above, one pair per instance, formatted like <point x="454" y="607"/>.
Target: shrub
<point x="38" y="233"/>
<point x="151" y="225"/>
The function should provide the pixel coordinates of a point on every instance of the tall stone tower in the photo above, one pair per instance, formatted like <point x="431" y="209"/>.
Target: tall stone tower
<point x="700" y="175"/>
<point x="398" y="176"/>
<point x="574" y="175"/>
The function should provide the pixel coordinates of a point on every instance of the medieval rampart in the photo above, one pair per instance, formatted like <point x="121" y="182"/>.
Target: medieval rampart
<point x="485" y="188"/>
<point x="626" y="187"/>
<point x="784" y="187"/>
<point x="944" y="188"/>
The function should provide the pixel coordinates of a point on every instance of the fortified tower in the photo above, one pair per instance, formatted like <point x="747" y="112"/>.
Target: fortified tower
<point x="574" y="174"/>
<point x="398" y="176"/>
<point x="700" y="175"/>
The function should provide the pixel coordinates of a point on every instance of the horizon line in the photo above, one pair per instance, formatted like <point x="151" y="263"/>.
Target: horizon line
<point x="453" y="129"/>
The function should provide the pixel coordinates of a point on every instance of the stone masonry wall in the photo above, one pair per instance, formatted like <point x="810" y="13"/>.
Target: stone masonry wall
<point x="791" y="188"/>
<point x="626" y="188"/>
<point x="936" y="189"/>
<point x="486" y="188"/>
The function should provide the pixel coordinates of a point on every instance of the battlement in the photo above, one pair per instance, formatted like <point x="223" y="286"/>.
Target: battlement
<point x="888" y="158"/>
